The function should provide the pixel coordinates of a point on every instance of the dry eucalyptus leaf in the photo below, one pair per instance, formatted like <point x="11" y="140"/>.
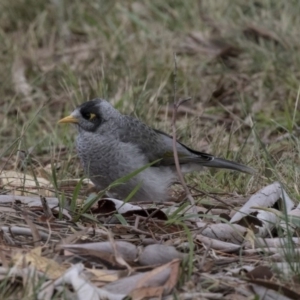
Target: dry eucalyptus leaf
<point x="120" y="206"/>
<point x="159" y="254"/>
<point x="267" y="294"/>
<point x="260" y="272"/>
<point x="17" y="230"/>
<point x="127" y="250"/>
<point x="49" y="267"/>
<point x="20" y="183"/>
<point x="165" y="276"/>
<point x="143" y="289"/>
<point x="105" y="275"/>
<point x="31" y="201"/>
<point x="225" y="232"/>
<point x="83" y="288"/>
<point x="271" y="196"/>
<point x="267" y="289"/>
<point x="272" y="242"/>
<point x="110" y="205"/>
<point x="124" y="285"/>
<point x="218" y="245"/>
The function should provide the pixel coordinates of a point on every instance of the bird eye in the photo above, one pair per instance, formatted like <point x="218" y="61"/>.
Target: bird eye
<point x="92" y="116"/>
<point x="89" y="116"/>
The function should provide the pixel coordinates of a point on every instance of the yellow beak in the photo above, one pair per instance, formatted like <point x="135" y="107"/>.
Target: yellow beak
<point x="68" y="119"/>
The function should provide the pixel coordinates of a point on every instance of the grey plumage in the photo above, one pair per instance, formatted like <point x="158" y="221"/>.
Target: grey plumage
<point x="112" y="145"/>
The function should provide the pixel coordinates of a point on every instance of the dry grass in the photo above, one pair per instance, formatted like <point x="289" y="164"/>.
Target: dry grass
<point x="237" y="61"/>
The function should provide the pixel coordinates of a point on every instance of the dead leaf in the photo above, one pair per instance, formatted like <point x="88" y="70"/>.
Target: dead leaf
<point x="218" y="245"/>
<point x="165" y="276"/>
<point x="48" y="266"/>
<point x="110" y="205"/>
<point x="172" y="267"/>
<point x="263" y="220"/>
<point x="32" y="201"/>
<point x="82" y="287"/>
<point x="276" y="287"/>
<point x="147" y="292"/>
<point x="105" y="275"/>
<point x="24" y="184"/>
<point x="260" y="272"/>
<point x="159" y="254"/>
<point x="225" y="232"/>
<point x="105" y="250"/>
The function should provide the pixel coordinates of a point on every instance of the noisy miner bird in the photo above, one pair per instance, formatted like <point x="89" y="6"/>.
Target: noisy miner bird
<point x="112" y="145"/>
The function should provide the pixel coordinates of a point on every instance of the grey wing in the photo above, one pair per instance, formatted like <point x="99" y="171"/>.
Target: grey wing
<point x="156" y="144"/>
<point x="144" y="137"/>
<point x="185" y="154"/>
<point x="188" y="155"/>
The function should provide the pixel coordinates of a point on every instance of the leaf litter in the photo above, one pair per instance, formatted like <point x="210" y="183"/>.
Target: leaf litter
<point x="145" y="257"/>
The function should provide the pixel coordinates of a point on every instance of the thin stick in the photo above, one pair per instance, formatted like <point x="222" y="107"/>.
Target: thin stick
<point x="175" y="152"/>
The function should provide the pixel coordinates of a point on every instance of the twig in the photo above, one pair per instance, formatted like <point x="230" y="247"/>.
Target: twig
<point x="213" y="197"/>
<point x="176" y="159"/>
<point x="47" y="210"/>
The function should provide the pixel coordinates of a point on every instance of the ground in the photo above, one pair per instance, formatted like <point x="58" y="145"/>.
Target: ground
<point x="237" y="60"/>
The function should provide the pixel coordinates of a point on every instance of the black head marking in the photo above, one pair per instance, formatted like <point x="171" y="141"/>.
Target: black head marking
<point x="90" y="112"/>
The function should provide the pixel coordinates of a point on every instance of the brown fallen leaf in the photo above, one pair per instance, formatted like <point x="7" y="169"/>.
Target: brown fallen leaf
<point x="24" y="184"/>
<point x="105" y="275"/>
<point x="144" y="287"/>
<point x="147" y="292"/>
<point x="165" y="276"/>
<point x="260" y="272"/>
<point x="34" y="257"/>
<point x="106" y="251"/>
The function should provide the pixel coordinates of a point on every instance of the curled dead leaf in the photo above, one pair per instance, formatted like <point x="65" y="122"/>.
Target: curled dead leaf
<point x="159" y="254"/>
<point x="126" y="250"/>
<point x="272" y="196"/>
<point x="225" y="232"/>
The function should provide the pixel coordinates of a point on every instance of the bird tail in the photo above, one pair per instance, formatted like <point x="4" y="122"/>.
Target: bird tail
<point x="227" y="164"/>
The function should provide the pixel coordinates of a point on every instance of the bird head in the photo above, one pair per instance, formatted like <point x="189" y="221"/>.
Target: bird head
<point x="90" y="115"/>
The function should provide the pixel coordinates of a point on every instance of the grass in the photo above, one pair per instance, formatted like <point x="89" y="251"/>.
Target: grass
<point x="237" y="61"/>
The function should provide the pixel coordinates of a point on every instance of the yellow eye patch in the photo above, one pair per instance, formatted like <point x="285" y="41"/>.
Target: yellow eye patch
<point x="92" y="116"/>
